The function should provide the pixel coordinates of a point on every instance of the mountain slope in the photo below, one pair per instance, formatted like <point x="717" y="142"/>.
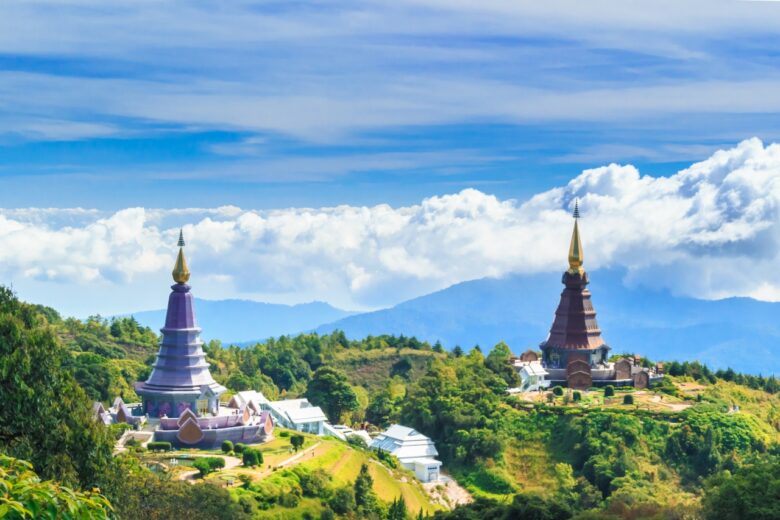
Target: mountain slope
<point x="737" y="332"/>
<point x="237" y="321"/>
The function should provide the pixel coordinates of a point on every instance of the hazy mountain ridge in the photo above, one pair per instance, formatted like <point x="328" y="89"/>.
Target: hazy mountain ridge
<point x="737" y="332"/>
<point x="243" y="321"/>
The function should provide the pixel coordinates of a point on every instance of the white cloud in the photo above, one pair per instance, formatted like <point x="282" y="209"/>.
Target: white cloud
<point x="711" y="230"/>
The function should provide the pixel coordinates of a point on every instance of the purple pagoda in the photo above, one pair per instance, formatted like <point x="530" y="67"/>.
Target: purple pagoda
<point x="180" y="397"/>
<point x="180" y="378"/>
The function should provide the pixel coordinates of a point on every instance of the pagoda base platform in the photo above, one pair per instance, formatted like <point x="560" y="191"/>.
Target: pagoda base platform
<point x="252" y="434"/>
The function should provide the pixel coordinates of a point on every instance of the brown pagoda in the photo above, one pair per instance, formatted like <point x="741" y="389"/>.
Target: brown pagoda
<point x="575" y="348"/>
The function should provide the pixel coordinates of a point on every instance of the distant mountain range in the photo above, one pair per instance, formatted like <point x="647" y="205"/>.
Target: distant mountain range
<point x="738" y="332"/>
<point x="245" y="321"/>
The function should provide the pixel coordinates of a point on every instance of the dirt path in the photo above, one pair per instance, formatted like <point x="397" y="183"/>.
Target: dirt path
<point x="676" y="407"/>
<point x="340" y="463"/>
<point x="295" y="459"/>
<point x="230" y="463"/>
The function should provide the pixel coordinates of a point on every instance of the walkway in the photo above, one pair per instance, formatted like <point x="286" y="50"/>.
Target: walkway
<point x="230" y="463"/>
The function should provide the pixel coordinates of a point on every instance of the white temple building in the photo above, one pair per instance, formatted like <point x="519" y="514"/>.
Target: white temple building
<point x="413" y="450"/>
<point x="532" y="376"/>
<point x="295" y="414"/>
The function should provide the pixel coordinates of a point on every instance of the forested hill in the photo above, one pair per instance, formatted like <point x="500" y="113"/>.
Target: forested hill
<point x="701" y="444"/>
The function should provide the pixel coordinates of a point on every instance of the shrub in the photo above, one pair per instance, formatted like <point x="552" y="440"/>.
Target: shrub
<point x="227" y="446"/>
<point x="239" y="448"/>
<point x="576" y="396"/>
<point x="558" y="390"/>
<point x="252" y="457"/>
<point x="628" y="399"/>
<point x="215" y="462"/>
<point x="609" y="391"/>
<point x="202" y="465"/>
<point x="343" y="500"/>
<point x="159" y="446"/>
<point x="118" y="429"/>
<point x="296" y="441"/>
<point x="357" y="442"/>
<point x="246" y="480"/>
<point x="290" y="498"/>
<point x="284" y="433"/>
<point x="493" y="480"/>
<point x="315" y="483"/>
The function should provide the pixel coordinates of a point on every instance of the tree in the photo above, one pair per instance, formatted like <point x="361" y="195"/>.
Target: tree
<point x="457" y="351"/>
<point x="381" y="409"/>
<point x="330" y="389"/>
<point x="25" y="496"/>
<point x="364" y="489"/>
<point x="202" y="465"/>
<point x="498" y="361"/>
<point x="46" y="418"/>
<point x="297" y="441"/>
<point x="227" y="446"/>
<point x="398" y="510"/>
<point x="252" y="457"/>
<point x="343" y="500"/>
<point x="752" y="492"/>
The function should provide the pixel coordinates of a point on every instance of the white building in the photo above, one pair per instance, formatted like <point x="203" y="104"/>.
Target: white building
<point x="344" y="432"/>
<point x="295" y="414"/>
<point x="413" y="450"/>
<point x="298" y="414"/>
<point x="532" y="375"/>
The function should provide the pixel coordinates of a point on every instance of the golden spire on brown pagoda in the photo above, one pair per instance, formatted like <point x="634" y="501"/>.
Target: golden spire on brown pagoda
<point x="576" y="257"/>
<point x="181" y="273"/>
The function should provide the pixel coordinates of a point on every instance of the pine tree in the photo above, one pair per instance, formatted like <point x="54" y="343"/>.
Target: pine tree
<point x="363" y="487"/>
<point x="398" y="510"/>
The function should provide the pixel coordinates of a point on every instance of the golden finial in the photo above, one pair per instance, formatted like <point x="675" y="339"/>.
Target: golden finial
<point x="576" y="257"/>
<point x="181" y="274"/>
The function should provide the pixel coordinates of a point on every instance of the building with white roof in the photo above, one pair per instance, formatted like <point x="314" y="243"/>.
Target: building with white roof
<point x="413" y="450"/>
<point x="298" y="414"/>
<point x="532" y="376"/>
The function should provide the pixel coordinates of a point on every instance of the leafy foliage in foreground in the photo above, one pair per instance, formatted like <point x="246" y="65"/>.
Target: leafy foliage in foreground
<point x="23" y="495"/>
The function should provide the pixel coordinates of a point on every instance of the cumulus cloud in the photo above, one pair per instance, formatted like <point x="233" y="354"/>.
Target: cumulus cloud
<point x="710" y="230"/>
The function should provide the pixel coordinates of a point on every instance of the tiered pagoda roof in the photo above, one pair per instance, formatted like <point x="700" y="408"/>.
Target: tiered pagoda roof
<point x="575" y="326"/>
<point x="181" y="366"/>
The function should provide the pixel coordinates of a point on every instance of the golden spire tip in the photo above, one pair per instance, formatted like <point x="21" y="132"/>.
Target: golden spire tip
<point x="181" y="273"/>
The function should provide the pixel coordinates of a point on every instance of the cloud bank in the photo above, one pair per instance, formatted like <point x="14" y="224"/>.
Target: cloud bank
<point x="710" y="231"/>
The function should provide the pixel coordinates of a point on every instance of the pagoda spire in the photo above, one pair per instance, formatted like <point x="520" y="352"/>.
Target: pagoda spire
<point x="181" y="273"/>
<point x="576" y="257"/>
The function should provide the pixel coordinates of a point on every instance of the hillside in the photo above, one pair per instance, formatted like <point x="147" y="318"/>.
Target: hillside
<point x="241" y="321"/>
<point x="290" y="485"/>
<point x="737" y="332"/>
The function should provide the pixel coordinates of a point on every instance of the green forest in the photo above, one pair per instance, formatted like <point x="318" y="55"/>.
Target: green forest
<point x="701" y="445"/>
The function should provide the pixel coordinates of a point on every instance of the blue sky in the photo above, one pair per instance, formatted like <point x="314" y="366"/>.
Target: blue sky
<point x="435" y="140"/>
<point x="269" y="104"/>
